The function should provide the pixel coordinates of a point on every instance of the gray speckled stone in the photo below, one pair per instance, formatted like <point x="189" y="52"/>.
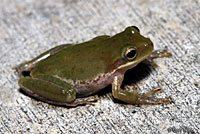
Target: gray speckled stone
<point x="29" y="27"/>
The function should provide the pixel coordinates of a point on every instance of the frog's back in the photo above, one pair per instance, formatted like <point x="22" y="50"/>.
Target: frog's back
<point x="87" y="60"/>
<point x="78" y="62"/>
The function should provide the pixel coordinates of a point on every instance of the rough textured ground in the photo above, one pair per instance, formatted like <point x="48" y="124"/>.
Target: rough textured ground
<point x="29" y="27"/>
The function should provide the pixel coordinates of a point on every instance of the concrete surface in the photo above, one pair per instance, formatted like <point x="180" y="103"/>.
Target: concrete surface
<point x="29" y="27"/>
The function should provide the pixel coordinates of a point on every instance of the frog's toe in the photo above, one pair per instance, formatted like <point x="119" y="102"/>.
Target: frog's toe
<point x="168" y="100"/>
<point x="86" y="100"/>
<point x="148" y="98"/>
<point x="152" y="92"/>
<point x="159" y="54"/>
<point x="151" y="100"/>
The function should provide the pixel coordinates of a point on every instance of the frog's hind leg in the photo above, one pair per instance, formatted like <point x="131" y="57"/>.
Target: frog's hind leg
<point x="52" y="90"/>
<point x="47" y="91"/>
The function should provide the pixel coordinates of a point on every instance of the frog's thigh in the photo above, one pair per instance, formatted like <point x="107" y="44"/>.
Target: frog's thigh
<point x="77" y="101"/>
<point x="48" y="91"/>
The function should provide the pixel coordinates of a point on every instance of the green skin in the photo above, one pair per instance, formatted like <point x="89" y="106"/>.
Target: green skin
<point x="68" y="74"/>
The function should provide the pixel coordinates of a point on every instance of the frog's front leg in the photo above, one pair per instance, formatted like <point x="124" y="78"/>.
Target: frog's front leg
<point x="132" y="97"/>
<point x="157" y="54"/>
<point x="52" y="90"/>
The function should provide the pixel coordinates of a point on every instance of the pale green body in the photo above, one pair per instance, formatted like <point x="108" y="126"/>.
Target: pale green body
<point x="67" y="73"/>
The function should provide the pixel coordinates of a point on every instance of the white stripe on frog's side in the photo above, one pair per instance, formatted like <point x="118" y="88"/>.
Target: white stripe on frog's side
<point x="41" y="58"/>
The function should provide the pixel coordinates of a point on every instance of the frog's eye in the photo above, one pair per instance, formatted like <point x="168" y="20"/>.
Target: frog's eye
<point x="136" y="28"/>
<point x="130" y="53"/>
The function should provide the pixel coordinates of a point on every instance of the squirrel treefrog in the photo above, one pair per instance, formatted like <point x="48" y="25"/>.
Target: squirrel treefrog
<point x="68" y="74"/>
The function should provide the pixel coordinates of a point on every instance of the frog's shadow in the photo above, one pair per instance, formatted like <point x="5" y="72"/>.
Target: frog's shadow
<point x="131" y="76"/>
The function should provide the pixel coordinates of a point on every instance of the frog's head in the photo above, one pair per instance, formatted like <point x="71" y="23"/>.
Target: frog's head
<point x="131" y="49"/>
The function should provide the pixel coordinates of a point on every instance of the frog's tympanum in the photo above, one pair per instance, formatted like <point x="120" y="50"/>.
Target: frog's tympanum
<point x="71" y="74"/>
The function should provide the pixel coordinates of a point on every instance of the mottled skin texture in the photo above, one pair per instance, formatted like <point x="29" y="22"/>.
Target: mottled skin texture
<point x="66" y="72"/>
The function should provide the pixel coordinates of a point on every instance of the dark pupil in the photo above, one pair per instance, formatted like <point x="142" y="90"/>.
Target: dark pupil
<point x="131" y="54"/>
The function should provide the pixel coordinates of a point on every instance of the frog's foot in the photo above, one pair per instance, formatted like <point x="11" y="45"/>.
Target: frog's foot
<point x="159" y="54"/>
<point x="86" y="100"/>
<point x="156" y="54"/>
<point x="152" y="92"/>
<point x="132" y="97"/>
<point x="149" y="99"/>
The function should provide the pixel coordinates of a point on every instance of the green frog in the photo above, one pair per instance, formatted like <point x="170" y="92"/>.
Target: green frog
<point x="71" y="74"/>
